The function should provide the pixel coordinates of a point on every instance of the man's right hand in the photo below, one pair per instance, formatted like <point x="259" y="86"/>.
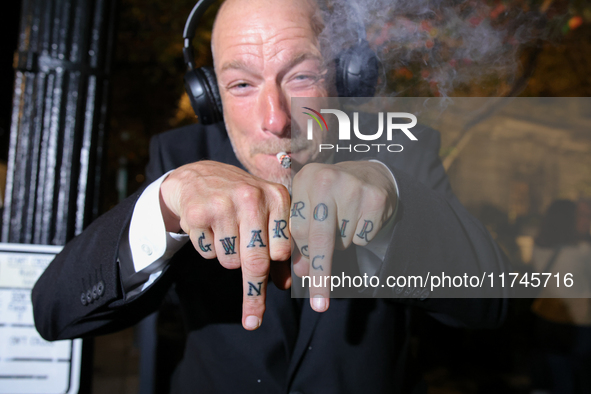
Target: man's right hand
<point x="237" y="217"/>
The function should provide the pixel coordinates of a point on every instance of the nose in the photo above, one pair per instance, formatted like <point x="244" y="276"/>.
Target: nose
<point x="274" y="107"/>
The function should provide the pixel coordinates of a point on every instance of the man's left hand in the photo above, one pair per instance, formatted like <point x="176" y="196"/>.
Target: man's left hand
<point x="334" y="206"/>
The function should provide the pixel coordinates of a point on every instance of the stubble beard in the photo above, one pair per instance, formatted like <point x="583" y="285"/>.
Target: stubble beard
<point x="277" y="174"/>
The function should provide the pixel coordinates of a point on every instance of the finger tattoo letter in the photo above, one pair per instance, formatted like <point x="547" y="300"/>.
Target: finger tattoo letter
<point x="229" y="245"/>
<point x="343" y="227"/>
<point x="367" y="228"/>
<point x="320" y="212"/>
<point x="256" y="237"/>
<point x="297" y="207"/>
<point x="317" y="267"/>
<point x="204" y="248"/>
<point x="280" y="225"/>
<point x="305" y="251"/>
<point x="252" y="287"/>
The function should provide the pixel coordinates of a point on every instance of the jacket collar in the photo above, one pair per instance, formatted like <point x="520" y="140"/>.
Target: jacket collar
<point x="220" y="146"/>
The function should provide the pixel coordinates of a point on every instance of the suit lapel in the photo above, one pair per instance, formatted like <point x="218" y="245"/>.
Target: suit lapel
<point x="342" y="260"/>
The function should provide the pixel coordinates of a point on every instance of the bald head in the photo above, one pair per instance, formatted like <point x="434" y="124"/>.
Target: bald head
<point x="240" y="16"/>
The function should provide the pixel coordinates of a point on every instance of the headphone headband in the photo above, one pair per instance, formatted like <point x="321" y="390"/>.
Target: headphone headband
<point x="190" y="28"/>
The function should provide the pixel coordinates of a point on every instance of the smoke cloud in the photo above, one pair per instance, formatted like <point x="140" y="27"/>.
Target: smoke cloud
<point x="434" y="46"/>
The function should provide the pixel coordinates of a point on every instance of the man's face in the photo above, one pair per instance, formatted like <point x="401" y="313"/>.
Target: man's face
<point x="266" y="52"/>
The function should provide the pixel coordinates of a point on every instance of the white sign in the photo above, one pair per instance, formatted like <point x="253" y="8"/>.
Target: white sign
<point x="28" y="363"/>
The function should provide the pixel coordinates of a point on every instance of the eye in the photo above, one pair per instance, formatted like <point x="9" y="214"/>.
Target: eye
<point x="302" y="82"/>
<point x="240" y="88"/>
<point x="306" y="78"/>
<point x="240" y="85"/>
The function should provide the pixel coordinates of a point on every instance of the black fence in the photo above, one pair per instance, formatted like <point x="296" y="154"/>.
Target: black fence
<point x="58" y="122"/>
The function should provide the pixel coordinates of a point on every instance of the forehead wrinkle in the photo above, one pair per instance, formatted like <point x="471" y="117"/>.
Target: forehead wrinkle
<point x="299" y="57"/>
<point x="273" y="47"/>
<point x="269" y="49"/>
<point x="259" y="36"/>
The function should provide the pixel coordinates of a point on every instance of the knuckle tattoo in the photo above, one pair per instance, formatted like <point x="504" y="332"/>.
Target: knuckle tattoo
<point x="254" y="289"/>
<point x="279" y="229"/>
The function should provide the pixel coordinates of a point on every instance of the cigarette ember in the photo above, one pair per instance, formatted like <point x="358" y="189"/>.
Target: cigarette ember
<point x="284" y="159"/>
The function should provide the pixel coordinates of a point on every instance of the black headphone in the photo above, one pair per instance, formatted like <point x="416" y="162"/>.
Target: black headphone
<point x="356" y="71"/>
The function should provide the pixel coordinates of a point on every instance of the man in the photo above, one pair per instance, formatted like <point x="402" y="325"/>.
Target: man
<point x="245" y="333"/>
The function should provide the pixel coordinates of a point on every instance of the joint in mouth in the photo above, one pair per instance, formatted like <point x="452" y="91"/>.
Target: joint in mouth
<point x="284" y="159"/>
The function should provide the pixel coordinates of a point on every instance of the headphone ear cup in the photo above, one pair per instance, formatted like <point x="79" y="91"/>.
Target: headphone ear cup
<point x="202" y="88"/>
<point x="212" y="81"/>
<point x="357" y="71"/>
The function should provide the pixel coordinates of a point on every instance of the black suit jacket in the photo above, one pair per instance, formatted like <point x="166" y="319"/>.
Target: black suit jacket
<point x="358" y="345"/>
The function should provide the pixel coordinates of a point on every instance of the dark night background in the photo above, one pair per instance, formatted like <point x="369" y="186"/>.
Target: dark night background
<point x="147" y="98"/>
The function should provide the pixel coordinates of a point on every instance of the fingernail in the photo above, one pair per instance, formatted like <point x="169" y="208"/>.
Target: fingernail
<point x="319" y="303"/>
<point x="251" y="322"/>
